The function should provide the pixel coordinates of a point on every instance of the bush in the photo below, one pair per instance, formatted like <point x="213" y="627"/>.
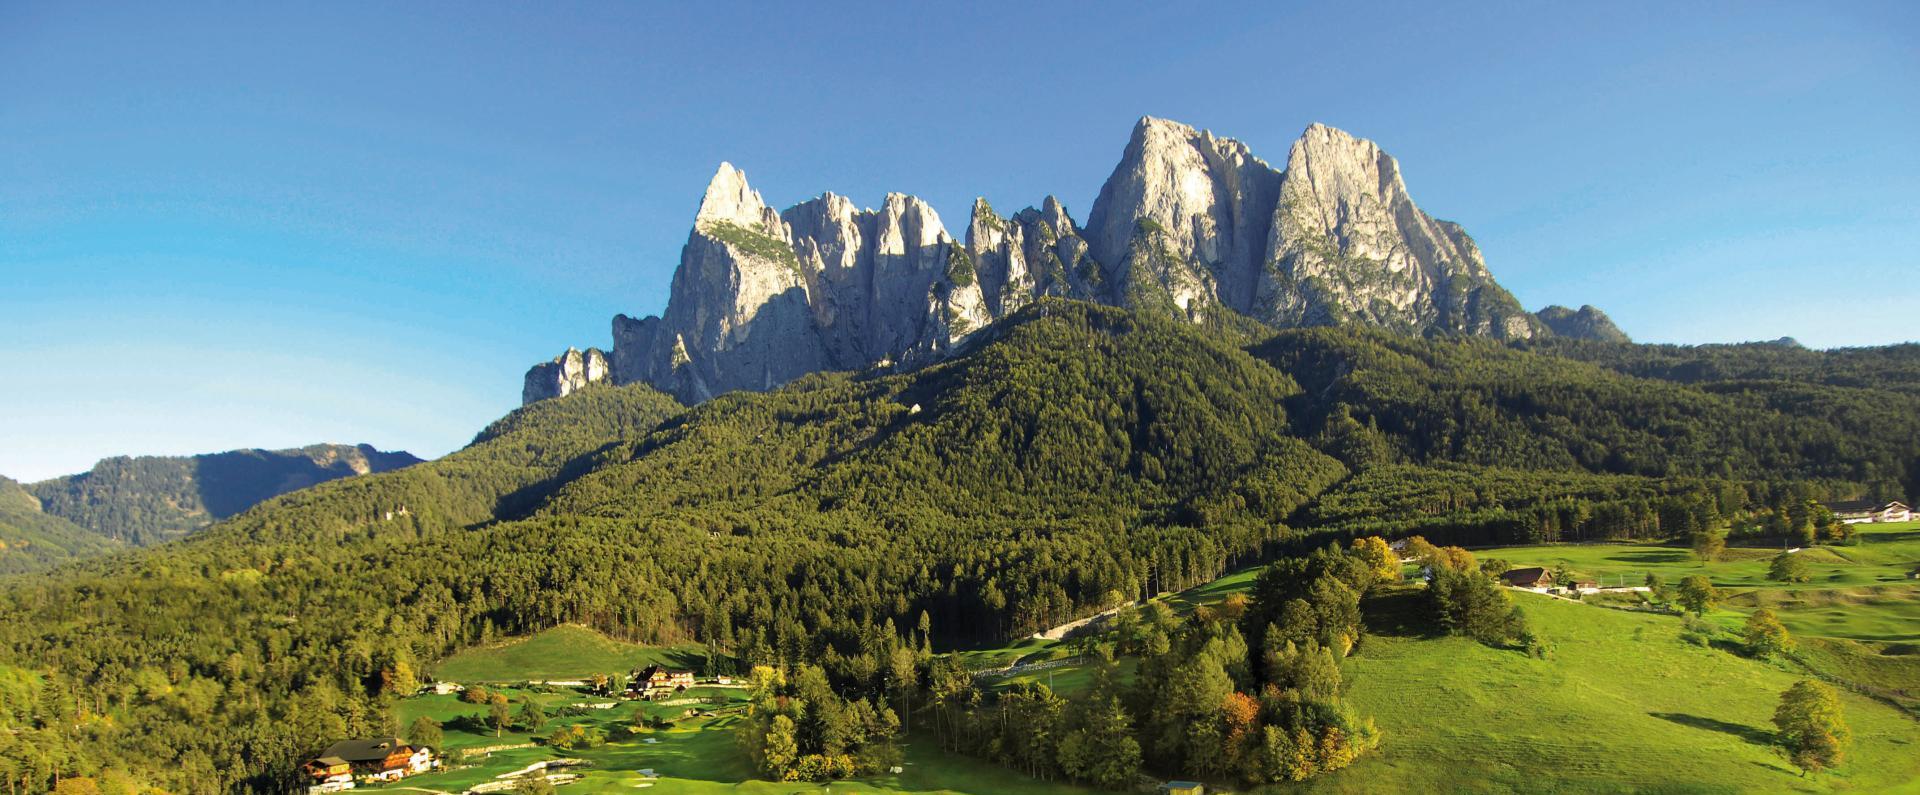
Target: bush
<point x="1789" y="568"/>
<point x="1697" y="631"/>
<point x="1765" y="635"/>
<point x="1467" y="602"/>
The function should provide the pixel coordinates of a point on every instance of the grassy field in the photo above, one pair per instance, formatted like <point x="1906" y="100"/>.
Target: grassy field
<point x="1623" y="703"/>
<point x="561" y="653"/>
<point x="696" y="755"/>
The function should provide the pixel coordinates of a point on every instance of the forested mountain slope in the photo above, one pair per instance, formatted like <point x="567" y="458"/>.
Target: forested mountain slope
<point x="32" y="539"/>
<point x="1891" y="367"/>
<point x="1038" y="477"/>
<point x="1478" y="402"/>
<point x="147" y="500"/>
<point x="1073" y="455"/>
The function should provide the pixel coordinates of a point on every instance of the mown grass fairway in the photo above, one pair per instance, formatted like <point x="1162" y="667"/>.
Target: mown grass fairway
<point x="560" y="653"/>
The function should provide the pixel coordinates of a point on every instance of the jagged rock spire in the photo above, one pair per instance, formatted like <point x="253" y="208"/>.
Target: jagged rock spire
<point x="1189" y="223"/>
<point x="729" y="198"/>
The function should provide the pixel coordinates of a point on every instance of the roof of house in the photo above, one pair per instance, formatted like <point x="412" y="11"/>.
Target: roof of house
<point x="370" y="750"/>
<point x="1862" y="506"/>
<point x="1531" y="574"/>
<point x="329" y="761"/>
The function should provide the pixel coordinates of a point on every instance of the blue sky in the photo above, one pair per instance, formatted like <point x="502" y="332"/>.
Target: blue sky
<point x="269" y="225"/>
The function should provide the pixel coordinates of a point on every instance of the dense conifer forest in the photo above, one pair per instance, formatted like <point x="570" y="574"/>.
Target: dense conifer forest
<point x="32" y="539"/>
<point x="1074" y="458"/>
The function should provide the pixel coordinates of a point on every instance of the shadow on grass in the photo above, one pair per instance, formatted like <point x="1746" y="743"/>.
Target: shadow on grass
<point x="1651" y="556"/>
<point x="1742" y="731"/>
<point x="1400" y="612"/>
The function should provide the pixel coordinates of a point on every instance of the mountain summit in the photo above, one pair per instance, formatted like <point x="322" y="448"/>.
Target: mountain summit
<point x="1189" y="224"/>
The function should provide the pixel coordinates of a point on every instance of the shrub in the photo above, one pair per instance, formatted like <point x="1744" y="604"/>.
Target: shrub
<point x="1789" y="568"/>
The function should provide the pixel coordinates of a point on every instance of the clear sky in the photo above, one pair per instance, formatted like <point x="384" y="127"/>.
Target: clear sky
<point x="268" y="224"/>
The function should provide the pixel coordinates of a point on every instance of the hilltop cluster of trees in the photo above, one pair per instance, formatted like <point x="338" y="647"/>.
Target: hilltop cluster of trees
<point x="1249" y="689"/>
<point x="804" y="730"/>
<point x="1485" y="506"/>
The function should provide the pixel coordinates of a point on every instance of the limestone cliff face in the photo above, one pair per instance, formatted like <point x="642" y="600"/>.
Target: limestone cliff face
<point x="1348" y="245"/>
<point x="566" y="374"/>
<point x="1189" y="224"/>
<point x="1184" y="219"/>
<point x="763" y="297"/>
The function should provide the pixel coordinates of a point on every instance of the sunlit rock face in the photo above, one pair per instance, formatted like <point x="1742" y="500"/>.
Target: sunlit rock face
<point x="1188" y="223"/>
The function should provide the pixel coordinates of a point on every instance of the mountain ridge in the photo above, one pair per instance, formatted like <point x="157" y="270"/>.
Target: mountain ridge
<point x="146" y="500"/>
<point x="1188" y="224"/>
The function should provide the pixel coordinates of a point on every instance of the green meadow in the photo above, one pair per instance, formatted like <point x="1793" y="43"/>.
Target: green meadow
<point x="1624" y="702"/>
<point x="561" y="653"/>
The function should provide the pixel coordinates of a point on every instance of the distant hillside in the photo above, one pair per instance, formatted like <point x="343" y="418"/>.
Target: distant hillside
<point x="1585" y="323"/>
<point x="1849" y="419"/>
<point x="31" y="539"/>
<point x="1888" y="367"/>
<point x="148" y="500"/>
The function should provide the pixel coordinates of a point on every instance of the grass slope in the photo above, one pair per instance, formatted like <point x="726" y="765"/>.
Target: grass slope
<point x="561" y="653"/>
<point x="1624" y="705"/>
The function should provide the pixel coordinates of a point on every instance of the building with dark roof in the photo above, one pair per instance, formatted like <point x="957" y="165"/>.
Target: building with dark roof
<point x="378" y="758"/>
<point x="1862" y="511"/>
<point x="1530" y="577"/>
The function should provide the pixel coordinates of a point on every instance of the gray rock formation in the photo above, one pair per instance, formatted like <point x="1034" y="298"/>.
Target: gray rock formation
<point x="1348" y="245"/>
<point x="1184" y="219"/>
<point x="1586" y="323"/>
<point x="1188" y="224"/>
<point x="1193" y="221"/>
<point x="566" y="374"/>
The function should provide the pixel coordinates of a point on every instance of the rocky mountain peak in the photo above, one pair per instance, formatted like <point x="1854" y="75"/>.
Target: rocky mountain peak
<point x="568" y="373"/>
<point x="1348" y="245"/>
<point x="729" y="198"/>
<point x="1189" y="223"/>
<point x="1586" y="323"/>
<point x="1184" y="217"/>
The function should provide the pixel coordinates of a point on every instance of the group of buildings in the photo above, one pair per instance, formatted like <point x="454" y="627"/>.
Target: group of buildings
<point x="347" y="762"/>
<point x="1864" y="511"/>
<point x="655" y="682"/>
